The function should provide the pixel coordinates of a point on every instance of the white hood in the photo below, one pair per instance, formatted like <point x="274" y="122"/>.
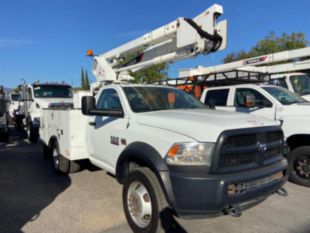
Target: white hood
<point x="200" y="124"/>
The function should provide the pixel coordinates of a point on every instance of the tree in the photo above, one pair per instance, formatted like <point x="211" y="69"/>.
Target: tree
<point x="82" y="79"/>
<point x="151" y="74"/>
<point x="87" y="85"/>
<point x="147" y="75"/>
<point x="270" y="44"/>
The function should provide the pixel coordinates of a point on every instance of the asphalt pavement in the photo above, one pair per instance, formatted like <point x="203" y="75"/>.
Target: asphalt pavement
<point x="34" y="199"/>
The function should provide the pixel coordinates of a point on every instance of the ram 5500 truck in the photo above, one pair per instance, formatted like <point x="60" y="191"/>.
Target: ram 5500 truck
<point x="275" y="103"/>
<point x="162" y="144"/>
<point x="169" y="151"/>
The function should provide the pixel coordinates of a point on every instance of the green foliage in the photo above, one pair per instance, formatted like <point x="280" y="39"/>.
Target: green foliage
<point x="270" y="44"/>
<point x="87" y="85"/>
<point x="151" y="74"/>
<point x="82" y="79"/>
<point x="147" y="75"/>
<point x="16" y="90"/>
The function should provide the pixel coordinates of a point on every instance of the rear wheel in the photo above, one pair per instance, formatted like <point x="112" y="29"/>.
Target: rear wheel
<point x="299" y="166"/>
<point x="143" y="201"/>
<point x="32" y="133"/>
<point x="61" y="164"/>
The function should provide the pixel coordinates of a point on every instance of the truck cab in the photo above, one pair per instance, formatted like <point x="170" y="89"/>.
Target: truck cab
<point x="274" y="103"/>
<point x="4" y="123"/>
<point x="16" y="109"/>
<point x="298" y="83"/>
<point x="39" y="96"/>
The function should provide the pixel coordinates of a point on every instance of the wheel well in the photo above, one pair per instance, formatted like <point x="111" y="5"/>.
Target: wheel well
<point x="295" y="141"/>
<point x="128" y="165"/>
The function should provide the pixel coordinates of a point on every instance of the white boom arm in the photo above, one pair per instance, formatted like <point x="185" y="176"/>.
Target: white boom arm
<point x="251" y="63"/>
<point x="180" y="39"/>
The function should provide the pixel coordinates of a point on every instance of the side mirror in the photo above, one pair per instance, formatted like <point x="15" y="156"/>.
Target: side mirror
<point x="88" y="104"/>
<point x="249" y="101"/>
<point x="89" y="109"/>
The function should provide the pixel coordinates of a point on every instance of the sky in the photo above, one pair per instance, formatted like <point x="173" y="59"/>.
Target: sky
<point x="47" y="40"/>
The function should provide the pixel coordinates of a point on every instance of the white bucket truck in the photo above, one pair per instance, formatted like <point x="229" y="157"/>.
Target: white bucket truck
<point x="43" y="95"/>
<point x="169" y="152"/>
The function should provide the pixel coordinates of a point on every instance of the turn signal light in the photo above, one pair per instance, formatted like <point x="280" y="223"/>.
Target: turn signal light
<point x="90" y="53"/>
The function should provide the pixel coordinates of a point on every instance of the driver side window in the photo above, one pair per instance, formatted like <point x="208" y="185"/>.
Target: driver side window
<point x="242" y="94"/>
<point x="109" y="100"/>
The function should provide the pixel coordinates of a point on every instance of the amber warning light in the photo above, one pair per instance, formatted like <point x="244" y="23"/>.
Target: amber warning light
<point x="90" y="53"/>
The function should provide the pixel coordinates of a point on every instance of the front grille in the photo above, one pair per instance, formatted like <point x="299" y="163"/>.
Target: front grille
<point x="246" y="149"/>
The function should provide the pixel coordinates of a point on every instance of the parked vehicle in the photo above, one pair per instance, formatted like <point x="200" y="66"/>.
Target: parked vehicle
<point x="274" y="103"/>
<point x="4" y="124"/>
<point x="16" y="109"/>
<point x="43" y="95"/>
<point x="291" y="73"/>
<point x="171" y="154"/>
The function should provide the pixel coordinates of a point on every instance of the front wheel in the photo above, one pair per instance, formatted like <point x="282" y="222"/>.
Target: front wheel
<point x="299" y="166"/>
<point x="143" y="201"/>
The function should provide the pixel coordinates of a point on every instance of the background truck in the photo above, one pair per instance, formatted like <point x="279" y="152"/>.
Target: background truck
<point x="4" y="123"/>
<point x="289" y="69"/>
<point x="42" y="95"/>
<point x="274" y="103"/>
<point x="16" y="109"/>
<point x="171" y="154"/>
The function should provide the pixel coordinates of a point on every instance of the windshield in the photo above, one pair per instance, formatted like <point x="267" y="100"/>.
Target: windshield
<point x="16" y="97"/>
<point x="52" y="91"/>
<point x="147" y="99"/>
<point x="284" y="96"/>
<point x="301" y="84"/>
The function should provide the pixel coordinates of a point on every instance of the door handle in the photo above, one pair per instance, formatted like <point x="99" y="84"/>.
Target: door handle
<point x="92" y="123"/>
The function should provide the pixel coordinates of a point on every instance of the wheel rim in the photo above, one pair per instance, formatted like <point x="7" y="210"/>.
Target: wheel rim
<point x="139" y="204"/>
<point x="302" y="166"/>
<point x="55" y="159"/>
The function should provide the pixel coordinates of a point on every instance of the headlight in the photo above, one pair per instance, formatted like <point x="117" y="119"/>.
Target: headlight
<point x="190" y="154"/>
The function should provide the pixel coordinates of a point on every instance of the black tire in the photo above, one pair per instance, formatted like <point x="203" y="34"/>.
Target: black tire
<point x="47" y="153"/>
<point x="33" y="135"/>
<point x="74" y="167"/>
<point x="299" y="166"/>
<point x="61" y="164"/>
<point x="155" y="197"/>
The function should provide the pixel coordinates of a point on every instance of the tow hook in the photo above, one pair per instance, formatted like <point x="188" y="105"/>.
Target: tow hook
<point x="233" y="211"/>
<point x="282" y="192"/>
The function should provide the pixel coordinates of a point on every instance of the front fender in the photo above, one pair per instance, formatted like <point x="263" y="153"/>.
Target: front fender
<point x="145" y="155"/>
<point x="293" y="125"/>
